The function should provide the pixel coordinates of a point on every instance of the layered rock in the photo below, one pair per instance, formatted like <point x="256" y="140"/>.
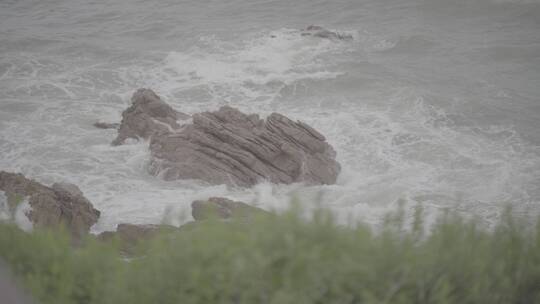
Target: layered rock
<point x="228" y="146"/>
<point x="146" y="116"/>
<point x="61" y="204"/>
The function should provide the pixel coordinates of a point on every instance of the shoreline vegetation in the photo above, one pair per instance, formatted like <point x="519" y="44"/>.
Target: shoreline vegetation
<point x="286" y="259"/>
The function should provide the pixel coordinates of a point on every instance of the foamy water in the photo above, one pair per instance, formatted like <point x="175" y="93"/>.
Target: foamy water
<point x="433" y="102"/>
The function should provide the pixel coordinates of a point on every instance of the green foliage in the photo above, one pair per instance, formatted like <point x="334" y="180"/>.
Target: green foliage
<point x="53" y="271"/>
<point x="286" y="259"/>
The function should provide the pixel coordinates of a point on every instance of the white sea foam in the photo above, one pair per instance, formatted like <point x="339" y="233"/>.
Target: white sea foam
<point x="395" y="143"/>
<point x="21" y="215"/>
<point x="18" y="216"/>
<point x="255" y="69"/>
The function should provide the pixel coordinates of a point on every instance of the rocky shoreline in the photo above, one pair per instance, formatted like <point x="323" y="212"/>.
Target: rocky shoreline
<point x="220" y="147"/>
<point x="63" y="204"/>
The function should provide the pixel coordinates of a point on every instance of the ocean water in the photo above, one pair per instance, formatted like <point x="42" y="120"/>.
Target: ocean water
<point x="434" y="102"/>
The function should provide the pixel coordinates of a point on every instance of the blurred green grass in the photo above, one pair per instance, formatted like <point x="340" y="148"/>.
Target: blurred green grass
<point x="287" y="259"/>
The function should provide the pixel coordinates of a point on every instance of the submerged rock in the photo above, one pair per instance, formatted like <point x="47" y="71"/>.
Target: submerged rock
<point x="130" y="236"/>
<point x="61" y="204"/>
<point x="223" y="208"/>
<point x="106" y="125"/>
<point x="321" y="32"/>
<point x="132" y="233"/>
<point x="228" y="146"/>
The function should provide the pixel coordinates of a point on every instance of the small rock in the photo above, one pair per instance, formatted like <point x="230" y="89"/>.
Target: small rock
<point x="147" y="115"/>
<point x="105" y="125"/>
<point x="62" y="203"/>
<point x="223" y="208"/>
<point x="130" y="235"/>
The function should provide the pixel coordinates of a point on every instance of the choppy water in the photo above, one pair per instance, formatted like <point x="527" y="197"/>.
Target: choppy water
<point x="435" y="101"/>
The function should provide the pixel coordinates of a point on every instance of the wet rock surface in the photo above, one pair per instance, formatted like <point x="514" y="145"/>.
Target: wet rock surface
<point x="129" y="235"/>
<point x="61" y="204"/>
<point x="132" y="232"/>
<point x="228" y="146"/>
<point x="147" y="115"/>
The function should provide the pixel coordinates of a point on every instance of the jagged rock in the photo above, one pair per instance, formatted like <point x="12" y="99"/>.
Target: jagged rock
<point x="228" y="146"/>
<point x="18" y="184"/>
<point x="321" y="32"/>
<point x="223" y="208"/>
<point x="106" y="125"/>
<point x="62" y="203"/>
<point x="147" y="115"/>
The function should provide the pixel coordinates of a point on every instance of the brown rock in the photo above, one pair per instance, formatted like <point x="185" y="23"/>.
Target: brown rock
<point x="133" y="233"/>
<point x="228" y="146"/>
<point x="62" y="203"/>
<point x="147" y="115"/>
<point x="17" y="183"/>
<point x="129" y="235"/>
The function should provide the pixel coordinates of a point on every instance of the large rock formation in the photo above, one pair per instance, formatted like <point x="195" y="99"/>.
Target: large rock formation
<point x="228" y="146"/>
<point x="62" y="203"/>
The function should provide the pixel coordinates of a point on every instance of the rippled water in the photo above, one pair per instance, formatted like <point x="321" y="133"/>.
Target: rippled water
<point x="435" y="101"/>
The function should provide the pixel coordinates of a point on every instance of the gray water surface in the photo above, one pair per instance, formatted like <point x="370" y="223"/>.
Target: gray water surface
<point x="434" y="101"/>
